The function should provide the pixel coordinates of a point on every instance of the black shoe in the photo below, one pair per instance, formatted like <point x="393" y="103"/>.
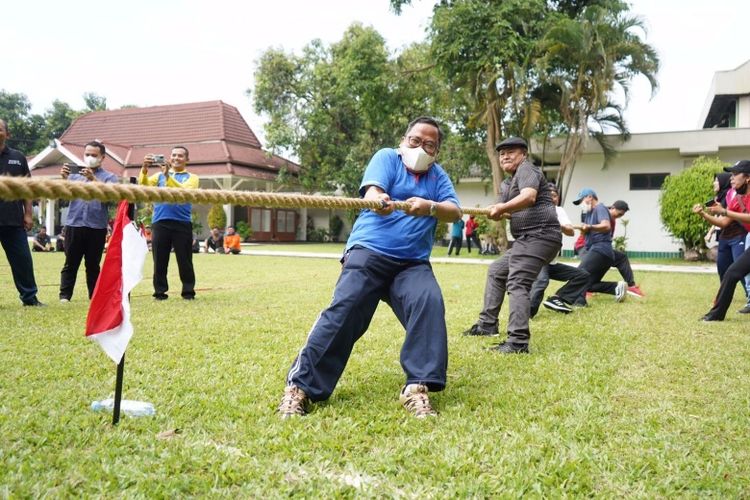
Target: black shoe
<point x="188" y="297"/>
<point x="475" y="331"/>
<point x="510" y="348"/>
<point x="34" y="303"/>
<point x="160" y="296"/>
<point x="711" y="317"/>
<point x="555" y="303"/>
<point x="745" y="310"/>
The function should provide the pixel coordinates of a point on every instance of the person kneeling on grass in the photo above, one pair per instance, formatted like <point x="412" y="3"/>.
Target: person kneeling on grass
<point x="387" y="258"/>
<point x="232" y="242"/>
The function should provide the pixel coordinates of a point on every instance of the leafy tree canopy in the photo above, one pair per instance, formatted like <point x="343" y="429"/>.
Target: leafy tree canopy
<point x="334" y="106"/>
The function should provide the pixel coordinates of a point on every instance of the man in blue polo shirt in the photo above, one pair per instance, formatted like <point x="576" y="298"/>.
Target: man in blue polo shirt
<point x="171" y="225"/>
<point x="387" y="258"/>
<point x="15" y="220"/>
<point x="86" y="224"/>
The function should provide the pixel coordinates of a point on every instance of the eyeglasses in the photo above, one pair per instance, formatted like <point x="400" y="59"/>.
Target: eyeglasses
<point x="428" y="146"/>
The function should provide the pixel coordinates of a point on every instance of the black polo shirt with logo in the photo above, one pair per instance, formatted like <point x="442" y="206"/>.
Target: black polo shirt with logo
<point x="12" y="163"/>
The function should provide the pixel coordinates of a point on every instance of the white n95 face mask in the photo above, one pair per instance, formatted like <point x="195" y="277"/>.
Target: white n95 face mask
<point x="92" y="162"/>
<point x="416" y="159"/>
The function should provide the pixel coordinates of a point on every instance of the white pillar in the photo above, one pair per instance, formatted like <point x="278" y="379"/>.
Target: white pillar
<point x="50" y="218"/>
<point x="303" y="224"/>
<point x="230" y="214"/>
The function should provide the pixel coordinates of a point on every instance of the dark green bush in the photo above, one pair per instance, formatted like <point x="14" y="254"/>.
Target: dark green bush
<point x="678" y="195"/>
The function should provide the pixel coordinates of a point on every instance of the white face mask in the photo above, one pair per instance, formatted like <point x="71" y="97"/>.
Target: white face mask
<point x="586" y="207"/>
<point x="92" y="162"/>
<point x="416" y="159"/>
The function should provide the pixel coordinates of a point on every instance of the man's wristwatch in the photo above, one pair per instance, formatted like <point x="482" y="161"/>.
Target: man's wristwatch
<point x="433" y="208"/>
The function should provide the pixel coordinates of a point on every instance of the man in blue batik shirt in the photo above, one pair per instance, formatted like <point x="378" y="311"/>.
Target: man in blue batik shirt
<point x="387" y="258"/>
<point x="86" y="224"/>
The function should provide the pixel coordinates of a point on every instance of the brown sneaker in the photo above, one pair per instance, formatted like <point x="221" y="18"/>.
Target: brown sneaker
<point x="294" y="402"/>
<point x="415" y="400"/>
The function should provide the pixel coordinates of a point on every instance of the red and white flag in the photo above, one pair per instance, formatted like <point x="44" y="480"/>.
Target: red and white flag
<point x="108" y="321"/>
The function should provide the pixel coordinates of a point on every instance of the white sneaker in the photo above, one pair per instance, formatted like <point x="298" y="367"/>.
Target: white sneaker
<point x="621" y="291"/>
<point x="64" y="301"/>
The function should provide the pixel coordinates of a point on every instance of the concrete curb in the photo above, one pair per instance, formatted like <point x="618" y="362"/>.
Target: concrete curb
<point x="659" y="268"/>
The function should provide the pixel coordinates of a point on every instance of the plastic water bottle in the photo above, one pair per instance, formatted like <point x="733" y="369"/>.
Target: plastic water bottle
<point x="127" y="406"/>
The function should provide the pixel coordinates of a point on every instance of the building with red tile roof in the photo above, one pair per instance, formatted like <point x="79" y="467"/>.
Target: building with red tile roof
<point x="224" y="153"/>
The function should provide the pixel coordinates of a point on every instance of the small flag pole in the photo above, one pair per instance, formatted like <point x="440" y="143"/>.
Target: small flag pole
<point x="121" y="364"/>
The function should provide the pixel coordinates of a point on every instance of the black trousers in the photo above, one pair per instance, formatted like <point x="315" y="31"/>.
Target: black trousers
<point x="577" y="279"/>
<point x="16" y="246"/>
<point x="81" y="243"/>
<point x="597" y="265"/>
<point x="473" y="238"/>
<point x="732" y="276"/>
<point x="455" y="243"/>
<point x="165" y="236"/>
<point x="622" y="263"/>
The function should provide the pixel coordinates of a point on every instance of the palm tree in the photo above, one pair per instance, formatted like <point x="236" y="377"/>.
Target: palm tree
<point x="588" y="58"/>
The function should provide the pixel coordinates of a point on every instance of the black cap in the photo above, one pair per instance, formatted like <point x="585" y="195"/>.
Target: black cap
<point x="512" y="142"/>
<point x="741" y="167"/>
<point x="620" y="205"/>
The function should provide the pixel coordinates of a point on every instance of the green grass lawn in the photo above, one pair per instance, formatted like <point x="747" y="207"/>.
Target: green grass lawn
<point x="635" y="399"/>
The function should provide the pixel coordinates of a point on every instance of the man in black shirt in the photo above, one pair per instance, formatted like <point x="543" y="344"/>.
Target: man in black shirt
<point x="15" y="220"/>
<point x="526" y="200"/>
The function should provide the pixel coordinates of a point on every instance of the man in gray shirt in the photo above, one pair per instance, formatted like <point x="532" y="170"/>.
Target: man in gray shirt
<point x="525" y="199"/>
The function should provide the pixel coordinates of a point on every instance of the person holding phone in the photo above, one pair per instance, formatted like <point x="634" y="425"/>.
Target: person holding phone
<point x="86" y="223"/>
<point x="171" y="224"/>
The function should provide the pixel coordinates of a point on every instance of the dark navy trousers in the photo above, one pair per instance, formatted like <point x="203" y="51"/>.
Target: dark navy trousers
<point x="16" y="247"/>
<point x="367" y="277"/>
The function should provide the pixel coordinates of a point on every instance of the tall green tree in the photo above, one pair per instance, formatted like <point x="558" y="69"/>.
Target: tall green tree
<point x="57" y="119"/>
<point x="588" y="58"/>
<point x="486" y="48"/>
<point x="94" y="101"/>
<point x="334" y="106"/>
<point x="25" y="128"/>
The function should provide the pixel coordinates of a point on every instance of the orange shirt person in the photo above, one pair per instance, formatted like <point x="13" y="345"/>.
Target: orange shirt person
<point x="231" y="242"/>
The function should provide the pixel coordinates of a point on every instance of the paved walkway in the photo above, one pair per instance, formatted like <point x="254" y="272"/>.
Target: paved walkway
<point x="708" y="268"/>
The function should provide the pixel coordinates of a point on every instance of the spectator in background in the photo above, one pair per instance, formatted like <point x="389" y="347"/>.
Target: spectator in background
<point x="471" y="235"/>
<point x="42" y="241"/>
<point x="232" y="242"/>
<point x="457" y="236"/>
<point x="60" y="241"/>
<point x="171" y="223"/>
<point x="215" y="242"/>
<point x="15" y="220"/>
<point x="86" y="223"/>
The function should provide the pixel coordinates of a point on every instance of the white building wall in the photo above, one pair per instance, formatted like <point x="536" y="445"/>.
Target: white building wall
<point x="645" y="232"/>
<point x="743" y="112"/>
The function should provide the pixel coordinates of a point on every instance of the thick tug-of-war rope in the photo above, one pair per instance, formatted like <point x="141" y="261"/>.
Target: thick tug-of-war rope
<point x="24" y="188"/>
